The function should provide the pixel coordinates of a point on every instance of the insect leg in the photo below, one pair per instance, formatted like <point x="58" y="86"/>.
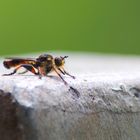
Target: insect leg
<point x="70" y="87"/>
<point x="26" y="66"/>
<point x="61" y="71"/>
<point x="65" y="72"/>
<point x="10" y="73"/>
<point x="60" y="76"/>
<point x="23" y="72"/>
<point x="30" y="68"/>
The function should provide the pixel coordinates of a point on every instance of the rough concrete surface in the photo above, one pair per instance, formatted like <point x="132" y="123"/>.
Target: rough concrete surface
<point x="108" y="107"/>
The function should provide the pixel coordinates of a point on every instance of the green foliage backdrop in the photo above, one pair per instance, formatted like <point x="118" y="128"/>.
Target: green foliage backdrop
<point x="111" y="26"/>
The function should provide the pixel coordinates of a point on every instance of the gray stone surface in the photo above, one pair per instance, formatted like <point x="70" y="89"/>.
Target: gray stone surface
<point x="108" y="107"/>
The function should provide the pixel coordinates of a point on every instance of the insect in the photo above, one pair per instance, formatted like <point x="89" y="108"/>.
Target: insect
<point x="41" y="66"/>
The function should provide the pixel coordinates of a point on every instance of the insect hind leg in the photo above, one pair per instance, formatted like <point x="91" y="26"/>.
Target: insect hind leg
<point x="28" y="67"/>
<point x="23" y="72"/>
<point x="10" y="73"/>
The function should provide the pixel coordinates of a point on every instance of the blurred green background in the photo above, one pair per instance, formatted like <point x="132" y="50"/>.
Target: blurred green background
<point x="110" y="26"/>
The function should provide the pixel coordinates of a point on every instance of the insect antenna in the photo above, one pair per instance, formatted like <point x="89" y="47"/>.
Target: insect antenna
<point x="64" y="57"/>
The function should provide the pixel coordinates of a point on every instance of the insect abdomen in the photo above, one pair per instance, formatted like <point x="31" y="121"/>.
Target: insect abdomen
<point x="7" y="64"/>
<point x="14" y="63"/>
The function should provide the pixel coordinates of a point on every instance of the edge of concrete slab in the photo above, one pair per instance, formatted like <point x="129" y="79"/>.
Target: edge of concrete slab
<point x="108" y="106"/>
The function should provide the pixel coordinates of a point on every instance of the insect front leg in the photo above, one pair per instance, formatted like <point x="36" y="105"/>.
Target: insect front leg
<point x="70" y="87"/>
<point x="65" y="72"/>
<point x="60" y="76"/>
<point x="61" y="71"/>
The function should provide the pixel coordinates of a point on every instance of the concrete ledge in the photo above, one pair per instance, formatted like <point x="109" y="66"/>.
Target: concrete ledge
<point x="108" y="107"/>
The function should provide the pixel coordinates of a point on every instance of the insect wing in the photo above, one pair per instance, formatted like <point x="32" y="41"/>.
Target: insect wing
<point x="14" y="62"/>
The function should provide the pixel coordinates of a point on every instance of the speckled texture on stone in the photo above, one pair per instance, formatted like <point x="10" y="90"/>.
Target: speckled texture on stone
<point x="108" y="107"/>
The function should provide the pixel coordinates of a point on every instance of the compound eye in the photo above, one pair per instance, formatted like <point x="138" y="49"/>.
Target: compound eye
<point x="58" y="61"/>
